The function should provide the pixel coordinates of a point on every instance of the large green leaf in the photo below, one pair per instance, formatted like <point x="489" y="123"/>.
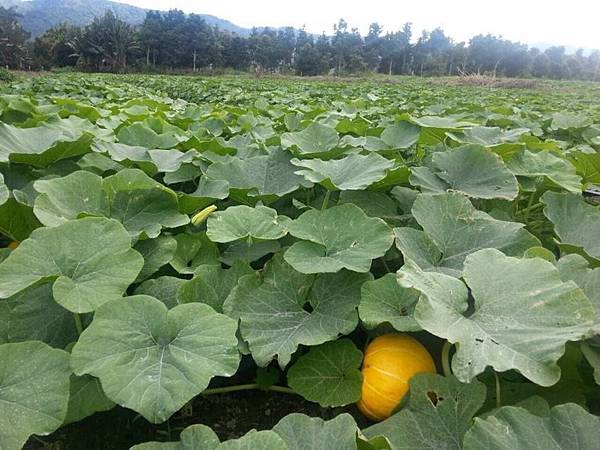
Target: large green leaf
<point x="301" y="432"/>
<point x="385" y="301"/>
<point x="576" y="268"/>
<point x="90" y="261"/>
<point x="328" y="374"/>
<point x="17" y="220"/>
<point x="374" y="204"/>
<point x="400" y="135"/>
<point x="193" y="250"/>
<point x="151" y="134"/>
<point x="255" y="440"/>
<point x="488" y="136"/>
<point x="471" y="170"/>
<point x="163" y="288"/>
<point x="286" y="309"/>
<point x="336" y="238"/>
<point x="212" y="284"/>
<point x="33" y="315"/>
<point x="437" y="416"/>
<point x="141" y="204"/>
<point x="194" y="437"/>
<point x="150" y="161"/>
<point x="568" y="426"/>
<point x="34" y="391"/>
<point x="46" y="143"/>
<point x="86" y="397"/>
<point x="201" y="437"/>
<point x="569" y="121"/>
<point x="262" y="176"/>
<point x="557" y="171"/>
<point x="157" y="253"/>
<point x="576" y="222"/>
<point x="522" y="315"/>
<point x="314" y="139"/>
<point x="154" y="360"/>
<point x="353" y="172"/>
<point x="453" y="229"/>
<point x="587" y="166"/>
<point x="244" y="222"/>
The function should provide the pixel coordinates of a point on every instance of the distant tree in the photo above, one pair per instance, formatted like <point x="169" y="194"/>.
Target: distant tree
<point x="13" y="50"/>
<point x="176" y="41"/>
<point x="53" y="48"/>
<point x="557" y="68"/>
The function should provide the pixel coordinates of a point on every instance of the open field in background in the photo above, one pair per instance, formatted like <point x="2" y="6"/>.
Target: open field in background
<point x="462" y="211"/>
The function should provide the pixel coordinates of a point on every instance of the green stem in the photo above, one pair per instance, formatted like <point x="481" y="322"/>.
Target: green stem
<point x="498" y="398"/>
<point x="530" y="207"/>
<point x="387" y="268"/>
<point x="326" y="200"/>
<point x="446" y="359"/>
<point x="246" y="387"/>
<point x="78" y="323"/>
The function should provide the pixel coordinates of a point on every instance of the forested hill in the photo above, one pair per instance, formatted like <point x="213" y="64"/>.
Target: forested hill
<point x="38" y="16"/>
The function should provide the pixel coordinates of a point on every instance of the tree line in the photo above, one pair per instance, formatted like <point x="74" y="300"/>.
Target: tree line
<point x="174" y="41"/>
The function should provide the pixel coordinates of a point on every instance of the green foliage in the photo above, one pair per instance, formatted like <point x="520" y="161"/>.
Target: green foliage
<point x="338" y="212"/>
<point x="6" y="76"/>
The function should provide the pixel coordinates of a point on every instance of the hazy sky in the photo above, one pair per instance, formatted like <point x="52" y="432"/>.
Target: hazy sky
<point x="572" y="23"/>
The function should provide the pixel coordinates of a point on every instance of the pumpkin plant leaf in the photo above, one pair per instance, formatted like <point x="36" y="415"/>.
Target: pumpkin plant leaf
<point x="471" y="170"/>
<point x="157" y="253"/>
<point x="567" y="426"/>
<point x="141" y="204"/>
<point x="524" y="298"/>
<point x="576" y="223"/>
<point x="194" y="437"/>
<point x="266" y="176"/>
<point x="438" y="413"/>
<point x="47" y="143"/>
<point x="558" y="171"/>
<point x="576" y="268"/>
<point x="337" y="238"/>
<point x="286" y="309"/>
<point x="154" y="360"/>
<point x="243" y="222"/>
<point x="34" y="391"/>
<point x="328" y="374"/>
<point x="89" y="261"/>
<point x="33" y="315"/>
<point x="86" y="398"/>
<point x="212" y="284"/>
<point x="193" y="250"/>
<point x="401" y="135"/>
<point x="255" y="440"/>
<point x="315" y="139"/>
<point x="453" y="229"/>
<point x="301" y="432"/>
<point x="353" y="172"/>
<point x="385" y="301"/>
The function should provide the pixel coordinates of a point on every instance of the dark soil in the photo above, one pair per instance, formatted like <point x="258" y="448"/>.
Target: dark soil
<point x="229" y="415"/>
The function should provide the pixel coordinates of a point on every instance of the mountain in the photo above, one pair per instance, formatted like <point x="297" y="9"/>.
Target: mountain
<point x="40" y="15"/>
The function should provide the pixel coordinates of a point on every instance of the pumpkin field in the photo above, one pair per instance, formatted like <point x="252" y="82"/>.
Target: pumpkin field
<point x="246" y="263"/>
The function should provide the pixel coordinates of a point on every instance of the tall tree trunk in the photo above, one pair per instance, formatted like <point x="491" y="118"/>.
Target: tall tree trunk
<point x="147" y="56"/>
<point x="391" y="61"/>
<point x="194" y="60"/>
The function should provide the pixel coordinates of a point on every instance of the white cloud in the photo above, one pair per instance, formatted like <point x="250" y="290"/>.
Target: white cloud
<point x="572" y="23"/>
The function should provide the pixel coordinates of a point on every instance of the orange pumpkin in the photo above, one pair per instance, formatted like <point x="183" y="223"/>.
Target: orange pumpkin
<point x="390" y="362"/>
<point x="13" y="245"/>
